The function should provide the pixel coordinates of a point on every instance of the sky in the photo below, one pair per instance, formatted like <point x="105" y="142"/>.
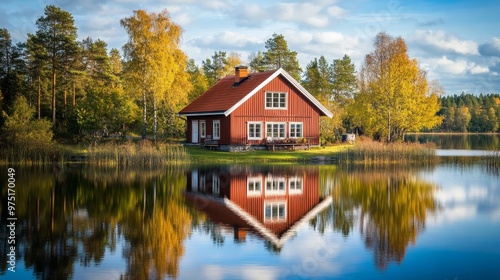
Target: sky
<point x="456" y="42"/>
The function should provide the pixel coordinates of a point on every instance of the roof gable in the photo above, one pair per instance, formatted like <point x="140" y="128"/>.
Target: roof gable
<point x="224" y="97"/>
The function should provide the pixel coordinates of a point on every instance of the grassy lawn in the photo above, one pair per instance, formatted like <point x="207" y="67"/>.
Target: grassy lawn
<point x="202" y="155"/>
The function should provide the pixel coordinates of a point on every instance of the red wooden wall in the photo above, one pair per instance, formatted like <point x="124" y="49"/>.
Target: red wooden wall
<point x="299" y="110"/>
<point x="234" y="127"/>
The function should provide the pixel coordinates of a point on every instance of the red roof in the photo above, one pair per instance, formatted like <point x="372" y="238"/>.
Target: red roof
<point x="225" y="96"/>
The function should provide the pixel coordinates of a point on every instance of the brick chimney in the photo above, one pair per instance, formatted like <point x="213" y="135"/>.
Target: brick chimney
<point x="240" y="73"/>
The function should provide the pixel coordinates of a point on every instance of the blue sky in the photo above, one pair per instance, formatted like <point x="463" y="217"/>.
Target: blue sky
<point x="456" y="42"/>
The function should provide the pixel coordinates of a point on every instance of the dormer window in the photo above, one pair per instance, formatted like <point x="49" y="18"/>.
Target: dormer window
<point x="276" y="100"/>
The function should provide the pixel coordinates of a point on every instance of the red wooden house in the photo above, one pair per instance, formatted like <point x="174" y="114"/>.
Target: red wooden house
<point x="246" y="110"/>
<point x="269" y="203"/>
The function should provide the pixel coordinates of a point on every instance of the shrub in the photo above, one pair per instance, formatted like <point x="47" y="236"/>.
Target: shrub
<point x="25" y="139"/>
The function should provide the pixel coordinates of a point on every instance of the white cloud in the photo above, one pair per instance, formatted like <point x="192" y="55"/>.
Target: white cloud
<point x="182" y="19"/>
<point x="478" y="69"/>
<point x="449" y="66"/>
<point x="330" y="44"/>
<point x="491" y="48"/>
<point x="228" y="40"/>
<point x="318" y="14"/>
<point x="439" y="40"/>
<point x="336" y="12"/>
<point x="455" y="67"/>
<point x="216" y="5"/>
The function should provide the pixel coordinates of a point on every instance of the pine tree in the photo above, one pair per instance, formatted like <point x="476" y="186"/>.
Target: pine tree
<point x="55" y="42"/>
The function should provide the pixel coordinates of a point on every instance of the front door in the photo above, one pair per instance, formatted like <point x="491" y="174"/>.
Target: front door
<point x="194" y="132"/>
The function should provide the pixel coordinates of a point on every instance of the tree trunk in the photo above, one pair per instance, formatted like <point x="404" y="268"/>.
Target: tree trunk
<point x="53" y="95"/>
<point x="155" y="119"/>
<point x="65" y="104"/>
<point x="38" y="103"/>
<point x="74" y="94"/>
<point x="389" y="125"/>
<point x="144" y="119"/>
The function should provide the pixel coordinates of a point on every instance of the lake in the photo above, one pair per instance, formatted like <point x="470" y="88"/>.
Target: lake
<point x="287" y="221"/>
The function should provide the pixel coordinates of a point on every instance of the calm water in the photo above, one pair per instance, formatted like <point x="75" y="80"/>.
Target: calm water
<point x="257" y="222"/>
<point x="459" y="141"/>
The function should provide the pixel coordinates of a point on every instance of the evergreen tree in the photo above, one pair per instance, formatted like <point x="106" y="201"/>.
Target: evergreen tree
<point x="215" y="68"/>
<point x="55" y="42"/>
<point x="277" y="55"/>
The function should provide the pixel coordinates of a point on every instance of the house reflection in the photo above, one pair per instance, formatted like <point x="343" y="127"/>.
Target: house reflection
<point x="269" y="202"/>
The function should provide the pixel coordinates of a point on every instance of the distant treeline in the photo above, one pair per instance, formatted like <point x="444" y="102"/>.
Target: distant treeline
<point x="470" y="113"/>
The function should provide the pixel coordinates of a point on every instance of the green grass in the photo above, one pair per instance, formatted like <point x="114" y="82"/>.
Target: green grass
<point x="202" y="155"/>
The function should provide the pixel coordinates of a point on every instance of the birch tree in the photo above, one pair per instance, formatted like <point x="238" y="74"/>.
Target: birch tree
<point x="395" y="96"/>
<point x="153" y="60"/>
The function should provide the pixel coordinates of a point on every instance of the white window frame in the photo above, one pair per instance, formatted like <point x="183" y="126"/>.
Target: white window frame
<point x="216" y="132"/>
<point x="295" y="185"/>
<point x="203" y="129"/>
<point x="275" y="185"/>
<point x="295" y="129"/>
<point x="277" y="106"/>
<point x="252" y="182"/>
<point x="272" y="129"/>
<point x="275" y="211"/>
<point x="255" y="124"/>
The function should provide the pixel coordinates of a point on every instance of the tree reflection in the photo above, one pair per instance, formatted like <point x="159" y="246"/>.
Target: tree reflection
<point x="68" y="218"/>
<point x="391" y="208"/>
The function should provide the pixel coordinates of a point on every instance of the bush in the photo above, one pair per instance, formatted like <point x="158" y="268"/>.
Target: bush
<point x="25" y="139"/>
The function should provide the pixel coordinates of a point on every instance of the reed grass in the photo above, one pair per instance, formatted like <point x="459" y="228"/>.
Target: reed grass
<point x="372" y="152"/>
<point x="141" y="154"/>
<point x="32" y="155"/>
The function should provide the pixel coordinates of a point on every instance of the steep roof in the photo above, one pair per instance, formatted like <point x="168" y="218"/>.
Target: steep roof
<point x="224" y="97"/>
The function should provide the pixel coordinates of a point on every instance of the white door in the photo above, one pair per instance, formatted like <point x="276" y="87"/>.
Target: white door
<point x="194" y="132"/>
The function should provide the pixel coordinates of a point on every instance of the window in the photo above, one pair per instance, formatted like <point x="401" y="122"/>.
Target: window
<point x="203" y="129"/>
<point x="216" y="128"/>
<point x="254" y="130"/>
<point x="276" y="100"/>
<point x="275" y="186"/>
<point x="276" y="130"/>
<point x="295" y="185"/>
<point x="295" y="130"/>
<point x="275" y="211"/>
<point x="254" y="186"/>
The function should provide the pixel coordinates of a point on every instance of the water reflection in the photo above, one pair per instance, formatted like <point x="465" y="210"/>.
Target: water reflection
<point x="71" y="222"/>
<point x="389" y="207"/>
<point x="459" y="141"/>
<point x="70" y="218"/>
<point x="271" y="202"/>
